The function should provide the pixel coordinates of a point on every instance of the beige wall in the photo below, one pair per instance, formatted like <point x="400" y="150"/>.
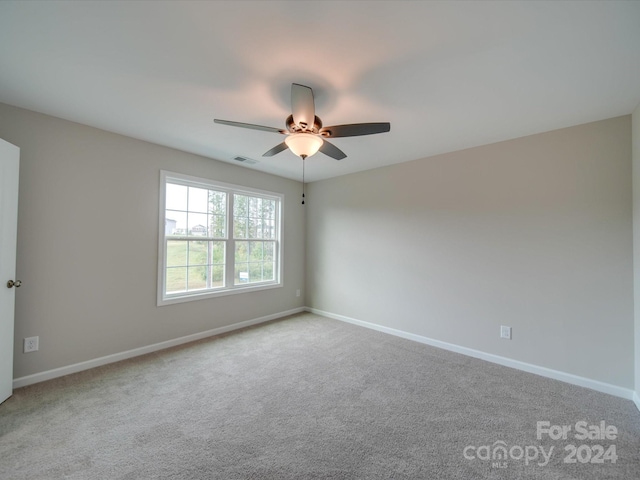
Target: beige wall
<point x="636" y="242"/>
<point x="534" y="233"/>
<point x="88" y="243"/>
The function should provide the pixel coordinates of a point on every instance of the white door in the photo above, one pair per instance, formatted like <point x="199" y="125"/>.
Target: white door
<point x="9" y="169"/>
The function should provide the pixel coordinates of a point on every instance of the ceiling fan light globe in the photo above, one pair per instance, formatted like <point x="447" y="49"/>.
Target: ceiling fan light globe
<point x="304" y="144"/>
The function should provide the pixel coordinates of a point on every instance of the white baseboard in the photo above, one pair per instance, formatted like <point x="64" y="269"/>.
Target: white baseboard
<point x="116" y="357"/>
<point x="527" y="367"/>
<point x="489" y="357"/>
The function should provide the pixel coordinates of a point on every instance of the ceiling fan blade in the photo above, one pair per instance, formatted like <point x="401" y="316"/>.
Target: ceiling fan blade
<point x="332" y="151"/>
<point x="275" y="150"/>
<point x="250" y="125"/>
<point x="302" y="106"/>
<point x="355" y="129"/>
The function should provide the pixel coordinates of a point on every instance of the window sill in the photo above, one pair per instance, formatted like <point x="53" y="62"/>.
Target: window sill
<point x="191" y="297"/>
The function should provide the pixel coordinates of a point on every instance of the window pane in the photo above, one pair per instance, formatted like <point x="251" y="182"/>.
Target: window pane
<point x="198" y="253"/>
<point x="253" y="228"/>
<point x="217" y="202"/>
<point x="240" y="227"/>
<point x="254" y="217"/>
<point x="175" y="223"/>
<point x="268" y="229"/>
<point x="269" y="251"/>
<point x="255" y="251"/>
<point x="217" y="276"/>
<point x="176" y="279"/>
<point x="217" y="226"/>
<point x="254" y="262"/>
<point x="241" y="273"/>
<point x="197" y="277"/>
<point x="240" y="205"/>
<point x="176" y="197"/>
<point x="267" y="272"/>
<point x="198" y="224"/>
<point x="176" y="253"/>
<point x="198" y="200"/>
<point x="242" y="252"/>
<point x="268" y="209"/>
<point x="218" y="253"/>
<point x="255" y="272"/>
<point x="255" y="205"/>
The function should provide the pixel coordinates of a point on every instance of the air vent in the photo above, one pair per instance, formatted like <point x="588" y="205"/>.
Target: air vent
<point x="245" y="160"/>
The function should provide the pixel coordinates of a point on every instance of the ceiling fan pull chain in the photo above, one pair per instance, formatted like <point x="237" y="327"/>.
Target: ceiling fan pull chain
<point x="303" y="181"/>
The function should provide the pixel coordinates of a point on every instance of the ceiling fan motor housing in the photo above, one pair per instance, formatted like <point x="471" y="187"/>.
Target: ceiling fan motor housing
<point x="293" y="127"/>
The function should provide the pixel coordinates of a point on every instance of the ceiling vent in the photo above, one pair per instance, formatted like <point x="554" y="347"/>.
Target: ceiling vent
<point x="245" y="160"/>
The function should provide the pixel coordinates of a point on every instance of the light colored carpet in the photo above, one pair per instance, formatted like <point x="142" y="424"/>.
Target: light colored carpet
<point x="304" y="398"/>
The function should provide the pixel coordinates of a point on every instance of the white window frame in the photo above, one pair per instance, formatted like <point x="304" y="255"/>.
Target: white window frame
<point x="229" y="288"/>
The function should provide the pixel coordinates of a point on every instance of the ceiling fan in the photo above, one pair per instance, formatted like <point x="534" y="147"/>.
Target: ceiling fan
<point x="305" y="133"/>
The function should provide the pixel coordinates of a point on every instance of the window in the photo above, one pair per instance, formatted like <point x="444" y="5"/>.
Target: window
<point x="216" y="239"/>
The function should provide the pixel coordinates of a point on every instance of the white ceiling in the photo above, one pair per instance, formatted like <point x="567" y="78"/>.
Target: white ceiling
<point x="447" y="75"/>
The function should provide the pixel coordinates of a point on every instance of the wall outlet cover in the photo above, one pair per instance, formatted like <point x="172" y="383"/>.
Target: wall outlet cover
<point x="31" y="344"/>
<point x="505" y="332"/>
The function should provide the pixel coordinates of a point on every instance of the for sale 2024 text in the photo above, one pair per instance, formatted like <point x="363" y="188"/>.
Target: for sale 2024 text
<point x="581" y="431"/>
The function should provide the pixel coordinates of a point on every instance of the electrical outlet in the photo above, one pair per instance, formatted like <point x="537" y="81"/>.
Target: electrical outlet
<point x="31" y="344"/>
<point x="298" y="293"/>
<point x="505" y="332"/>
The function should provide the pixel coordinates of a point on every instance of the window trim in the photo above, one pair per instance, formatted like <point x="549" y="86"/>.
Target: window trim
<point x="230" y="189"/>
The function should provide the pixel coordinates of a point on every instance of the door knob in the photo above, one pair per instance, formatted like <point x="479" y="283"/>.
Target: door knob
<point x="11" y="283"/>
